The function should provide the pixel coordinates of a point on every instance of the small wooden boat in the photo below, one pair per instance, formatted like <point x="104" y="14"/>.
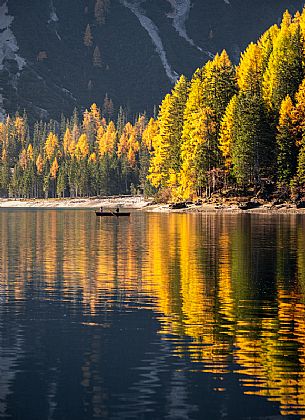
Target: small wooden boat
<point x="110" y="213"/>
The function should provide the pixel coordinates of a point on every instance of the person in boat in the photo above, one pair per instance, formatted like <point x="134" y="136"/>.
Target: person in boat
<point x="117" y="210"/>
<point x="101" y="210"/>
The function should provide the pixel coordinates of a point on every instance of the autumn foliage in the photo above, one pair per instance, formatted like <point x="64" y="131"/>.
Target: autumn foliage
<point x="230" y="126"/>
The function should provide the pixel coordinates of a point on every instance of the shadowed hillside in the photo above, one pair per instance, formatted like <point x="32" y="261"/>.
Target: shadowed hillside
<point x="133" y="50"/>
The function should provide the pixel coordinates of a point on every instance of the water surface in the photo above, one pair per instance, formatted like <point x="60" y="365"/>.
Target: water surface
<point x="159" y="316"/>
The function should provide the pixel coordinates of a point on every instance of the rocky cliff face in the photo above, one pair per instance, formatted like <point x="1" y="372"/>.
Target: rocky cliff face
<point x="134" y="56"/>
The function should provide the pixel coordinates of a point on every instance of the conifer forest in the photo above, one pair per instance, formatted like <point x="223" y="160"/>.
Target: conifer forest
<point x="231" y="128"/>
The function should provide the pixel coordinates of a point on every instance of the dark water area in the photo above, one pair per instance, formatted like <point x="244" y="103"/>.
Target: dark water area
<point x="153" y="317"/>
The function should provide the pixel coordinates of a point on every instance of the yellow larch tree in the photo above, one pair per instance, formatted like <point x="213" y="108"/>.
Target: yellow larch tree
<point x="285" y="67"/>
<point x="250" y="70"/>
<point x="207" y="101"/>
<point x="107" y="142"/>
<point x="226" y="132"/>
<point x="30" y="152"/>
<point x="54" y="168"/>
<point x="301" y="21"/>
<point x="82" y="147"/>
<point x="218" y="84"/>
<point x="194" y="102"/>
<point x="158" y="172"/>
<point x="128" y="145"/>
<point x="67" y="141"/>
<point x="179" y="96"/>
<point x="95" y="116"/>
<point x="196" y="153"/>
<point x="23" y="159"/>
<point x="150" y="133"/>
<point x="3" y="134"/>
<point x="87" y="120"/>
<point x="266" y="43"/>
<point x="193" y="105"/>
<point x="4" y="155"/>
<point x="92" y="158"/>
<point x="51" y="146"/>
<point x="20" y="129"/>
<point x="39" y="164"/>
<point x="99" y="135"/>
<point x="166" y="156"/>
<point x="72" y="149"/>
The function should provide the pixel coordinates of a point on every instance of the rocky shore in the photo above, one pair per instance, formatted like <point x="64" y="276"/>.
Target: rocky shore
<point x="139" y="203"/>
<point x="266" y="208"/>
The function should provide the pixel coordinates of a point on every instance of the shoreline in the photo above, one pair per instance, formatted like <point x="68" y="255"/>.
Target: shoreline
<point x="233" y="209"/>
<point x="74" y="203"/>
<point x="140" y="204"/>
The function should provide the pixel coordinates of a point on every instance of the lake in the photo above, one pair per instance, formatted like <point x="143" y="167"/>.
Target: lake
<point x="160" y="316"/>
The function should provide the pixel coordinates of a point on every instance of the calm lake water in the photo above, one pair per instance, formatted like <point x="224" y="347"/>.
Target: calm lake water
<point x="156" y="317"/>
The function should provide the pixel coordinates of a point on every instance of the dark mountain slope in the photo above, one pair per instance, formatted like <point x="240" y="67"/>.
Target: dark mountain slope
<point x="144" y="45"/>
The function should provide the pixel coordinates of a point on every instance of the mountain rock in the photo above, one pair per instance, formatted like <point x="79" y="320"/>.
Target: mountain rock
<point x="56" y="55"/>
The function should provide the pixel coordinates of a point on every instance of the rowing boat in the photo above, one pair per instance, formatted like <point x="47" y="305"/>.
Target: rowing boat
<point x="110" y="213"/>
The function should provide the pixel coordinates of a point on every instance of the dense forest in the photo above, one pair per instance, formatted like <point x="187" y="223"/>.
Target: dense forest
<point x="230" y="128"/>
<point x="78" y="157"/>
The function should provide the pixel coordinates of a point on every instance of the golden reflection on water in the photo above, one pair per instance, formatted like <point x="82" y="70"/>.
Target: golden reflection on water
<point x="228" y="290"/>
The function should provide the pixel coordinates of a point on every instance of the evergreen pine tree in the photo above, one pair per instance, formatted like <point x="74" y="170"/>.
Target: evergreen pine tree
<point x="301" y="165"/>
<point x="226" y="132"/>
<point x="61" y="181"/>
<point x="100" y="11"/>
<point x="121" y="121"/>
<point x="4" y="175"/>
<point x="253" y="141"/>
<point x="74" y="119"/>
<point x="63" y="126"/>
<point x="88" y="38"/>
<point x="108" y="108"/>
<point x="97" y="58"/>
<point x="286" y="144"/>
<point x="298" y="113"/>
